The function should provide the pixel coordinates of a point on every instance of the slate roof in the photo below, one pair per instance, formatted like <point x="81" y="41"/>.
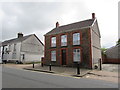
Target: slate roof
<point x="19" y="40"/>
<point x="73" y="26"/>
<point x="16" y="40"/>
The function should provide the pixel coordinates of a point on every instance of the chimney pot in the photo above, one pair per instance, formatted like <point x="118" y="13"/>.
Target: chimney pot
<point x="20" y="35"/>
<point x="93" y="15"/>
<point x="57" y="24"/>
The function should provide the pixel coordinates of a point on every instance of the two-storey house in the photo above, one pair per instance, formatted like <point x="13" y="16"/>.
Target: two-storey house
<point x="23" y="49"/>
<point x="78" y="42"/>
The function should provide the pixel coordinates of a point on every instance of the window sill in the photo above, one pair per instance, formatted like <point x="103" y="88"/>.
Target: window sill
<point x="76" y="45"/>
<point x="63" y="46"/>
<point x="53" y="61"/>
<point x="52" y="47"/>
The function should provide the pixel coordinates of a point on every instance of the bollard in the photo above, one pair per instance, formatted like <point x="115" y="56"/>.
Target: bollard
<point x="100" y="64"/>
<point x="50" y="67"/>
<point x="33" y="65"/>
<point x="42" y="64"/>
<point x="78" y="69"/>
<point x="5" y="61"/>
<point x="42" y="59"/>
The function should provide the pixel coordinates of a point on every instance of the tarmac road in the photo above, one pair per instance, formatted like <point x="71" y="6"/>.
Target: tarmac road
<point x="19" y="78"/>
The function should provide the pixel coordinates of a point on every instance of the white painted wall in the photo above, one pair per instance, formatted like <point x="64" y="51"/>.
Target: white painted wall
<point x="10" y="48"/>
<point x="32" y="49"/>
<point x="30" y="57"/>
<point x="5" y="54"/>
<point x="95" y="41"/>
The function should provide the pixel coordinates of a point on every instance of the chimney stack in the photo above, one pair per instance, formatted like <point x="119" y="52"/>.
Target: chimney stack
<point x="20" y="35"/>
<point x="57" y="24"/>
<point x="93" y="15"/>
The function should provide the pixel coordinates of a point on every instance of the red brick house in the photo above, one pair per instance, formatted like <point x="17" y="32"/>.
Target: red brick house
<point x="73" y="43"/>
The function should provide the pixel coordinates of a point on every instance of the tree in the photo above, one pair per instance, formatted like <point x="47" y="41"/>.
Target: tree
<point x="118" y="42"/>
<point x="103" y="50"/>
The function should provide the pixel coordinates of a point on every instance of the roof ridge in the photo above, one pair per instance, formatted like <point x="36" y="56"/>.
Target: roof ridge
<point x="17" y="38"/>
<point x="75" y="22"/>
<point x="72" y="26"/>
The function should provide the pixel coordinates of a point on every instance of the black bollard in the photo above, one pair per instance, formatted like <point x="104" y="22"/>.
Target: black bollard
<point x="78" y="69"/>
<point x="50" y="67"/>
<point x="33" y="65"/>
<point x="100" y="64"/>
<point x="42" y="64"/>
<point x="5" y="61"/>
<point x="42" y="59"/>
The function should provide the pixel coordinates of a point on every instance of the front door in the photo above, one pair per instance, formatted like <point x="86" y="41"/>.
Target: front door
<point x="64" y="57"/>
<point x="22" y="58"/>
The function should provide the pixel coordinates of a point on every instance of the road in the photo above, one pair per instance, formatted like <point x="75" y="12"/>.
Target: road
<point x="18" y="78"/>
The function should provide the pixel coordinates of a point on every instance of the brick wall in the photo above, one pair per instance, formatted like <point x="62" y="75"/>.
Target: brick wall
<point x="84" y="47"/>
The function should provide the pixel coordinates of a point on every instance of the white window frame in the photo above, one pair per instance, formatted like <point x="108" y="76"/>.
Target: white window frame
<point x="53" y="55"/>
<point x="53" y="42"/>
<point x="15" y="47"/>
<point x="76" y="55"/>
<point x="9" y="47"/>
<point x="76" y="39"/>
<point x="63" y="40"/>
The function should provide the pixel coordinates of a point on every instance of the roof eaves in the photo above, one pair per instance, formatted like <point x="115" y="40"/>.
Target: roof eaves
<point x="39" y="40"/>
<point x="68" y="30"/>
<point x="94" y="22"/>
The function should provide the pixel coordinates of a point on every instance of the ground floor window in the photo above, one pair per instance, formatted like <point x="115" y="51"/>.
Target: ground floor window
<point x="76" y="55"/>
<point x="53" y="55"/>
<point x="14" y="56"/>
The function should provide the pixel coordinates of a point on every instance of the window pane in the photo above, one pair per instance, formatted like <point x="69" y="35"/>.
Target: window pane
<point x="53" y="42"/>
<point x="53" y="55"/>
<point x="76" y="55"/>
<point x="64" y="40"/>
<point x="14" y="47"/>
<point x="76" y="39"/>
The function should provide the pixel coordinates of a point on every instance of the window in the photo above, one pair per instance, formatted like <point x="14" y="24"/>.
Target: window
<point x="9" y="47"/>
<point x="64" y="40"/>
<point x="23" y="56"/>
<point x="53" y="55"/>
<point x="76" y="39"/>
<point x="14" y="56"/>
<point x="14" y="47"/>
<point x="53" y="42"/>
<point x="76" y="55"/>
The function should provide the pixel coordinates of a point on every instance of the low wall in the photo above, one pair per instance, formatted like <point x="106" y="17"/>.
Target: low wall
<point x="107" y="60"/>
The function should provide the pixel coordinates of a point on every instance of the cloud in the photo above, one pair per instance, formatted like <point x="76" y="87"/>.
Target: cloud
<point x="40" y="17"/>
<point x="28" y="17"/>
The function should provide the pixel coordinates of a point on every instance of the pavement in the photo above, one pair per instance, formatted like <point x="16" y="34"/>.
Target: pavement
<point x="108" y="73"/>
<point x="103" y="75"/>
<point x="71" y="71"/>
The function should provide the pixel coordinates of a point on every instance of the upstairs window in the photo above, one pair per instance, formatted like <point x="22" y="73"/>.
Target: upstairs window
<point x="76" y="39"/>
<point x="53" y="42"/>
<point x="64" y="40"/>
<point x="53" y="55"/>
<point x="14" y="47"/>
<point x="9" y="47"/>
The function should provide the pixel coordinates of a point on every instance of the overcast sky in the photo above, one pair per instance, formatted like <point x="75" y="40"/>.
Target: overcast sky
<point x="40" y="17"/>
